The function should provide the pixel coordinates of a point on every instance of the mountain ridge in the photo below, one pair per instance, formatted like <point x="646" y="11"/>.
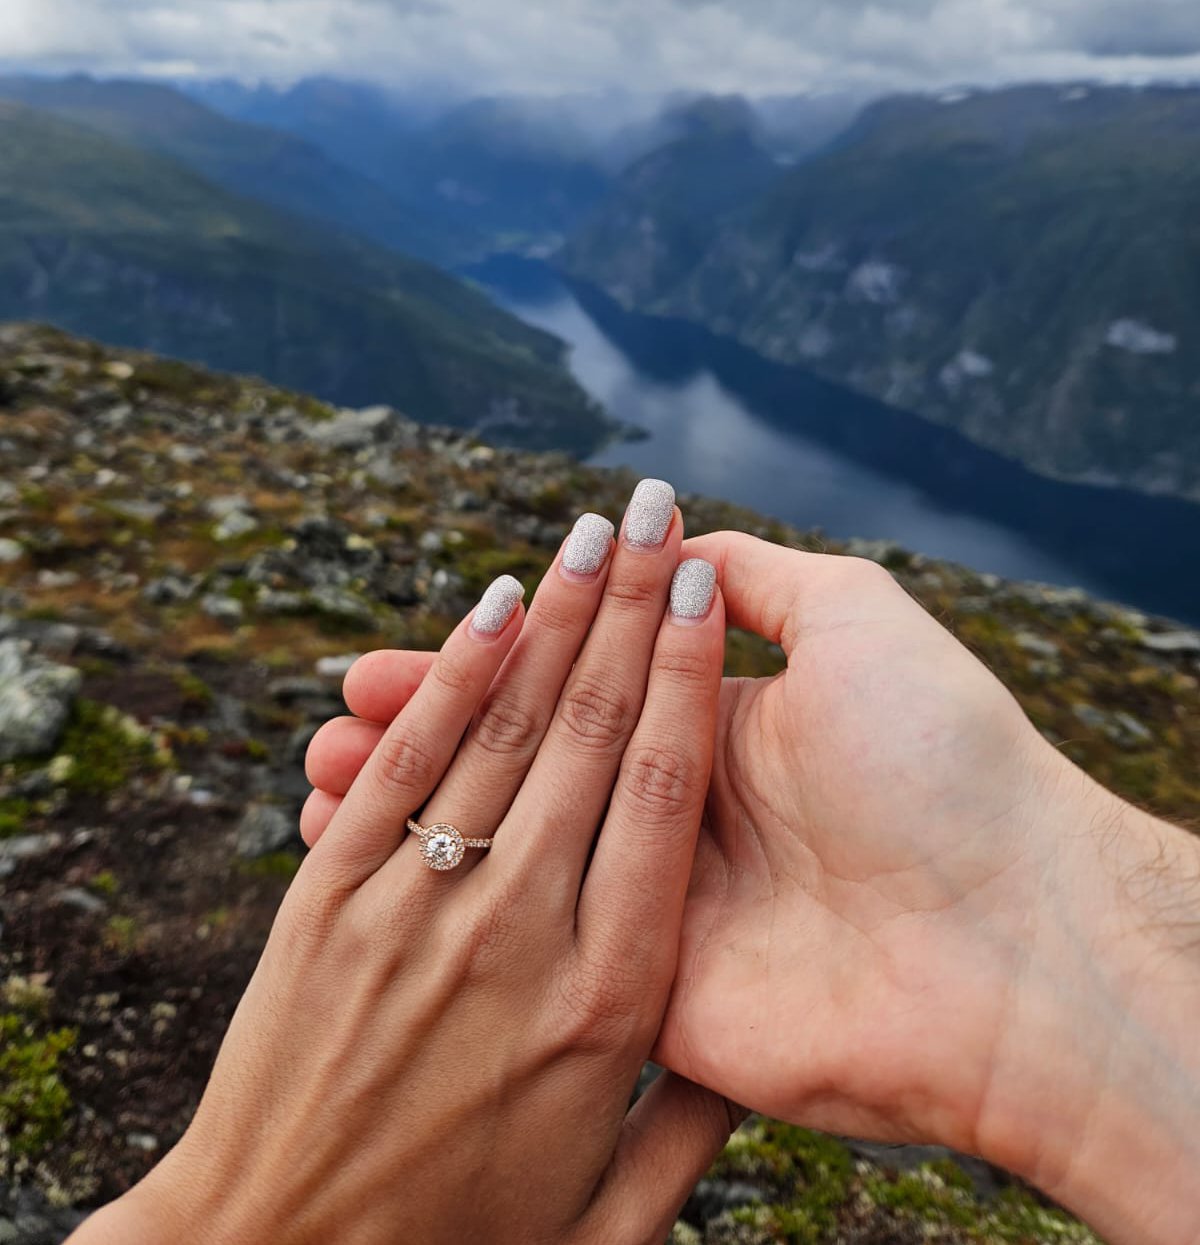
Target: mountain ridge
<point x="117" y="242"/>
<point x="1018" y="264"/>
<point x="251" y="160"/>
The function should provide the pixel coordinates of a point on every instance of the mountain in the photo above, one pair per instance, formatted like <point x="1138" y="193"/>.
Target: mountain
<point x="518" y="171"/>
<point x="252" y="160"/>
<point x="161" y="682"/>
<point x="105" y="239"/>
<point x="1021" y="265"/>
<point x="670" y="206"/>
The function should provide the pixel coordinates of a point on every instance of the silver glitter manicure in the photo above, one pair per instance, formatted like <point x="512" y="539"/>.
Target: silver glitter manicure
<point x="648" y="518"/>
<point x="692" y="588"/>
<point x="496" y="605"/>
<point x="588" y="544"/>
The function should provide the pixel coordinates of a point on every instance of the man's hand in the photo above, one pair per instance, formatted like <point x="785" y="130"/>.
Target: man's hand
<point x="909" y="917"/>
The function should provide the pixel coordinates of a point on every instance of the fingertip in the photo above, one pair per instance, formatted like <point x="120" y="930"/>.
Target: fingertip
<point x="501" y="605"/>
<point x="693" y="591"/>
<point x="316" y="815"/>
<point x="379" y="684"/>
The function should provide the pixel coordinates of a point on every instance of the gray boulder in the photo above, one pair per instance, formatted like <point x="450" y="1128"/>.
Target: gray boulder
<point x="355" y="430"/>
<point x="35" y="699"/>
<point x="265" y="828"/>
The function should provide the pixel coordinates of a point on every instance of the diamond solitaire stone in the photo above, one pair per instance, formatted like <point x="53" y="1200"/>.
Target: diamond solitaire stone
<point x="442" y="847"/>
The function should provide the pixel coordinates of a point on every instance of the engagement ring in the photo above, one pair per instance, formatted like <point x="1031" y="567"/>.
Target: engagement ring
<point x="442" y="845"/>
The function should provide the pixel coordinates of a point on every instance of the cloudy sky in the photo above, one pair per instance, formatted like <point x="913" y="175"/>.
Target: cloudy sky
<point x="758" y="46"/>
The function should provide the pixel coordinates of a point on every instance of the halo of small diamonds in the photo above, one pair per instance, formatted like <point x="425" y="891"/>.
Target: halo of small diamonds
<point x="442" y="847"/>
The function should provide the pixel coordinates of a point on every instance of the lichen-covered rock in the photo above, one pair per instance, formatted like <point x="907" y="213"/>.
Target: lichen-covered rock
<point x="265" y="828"/>
<point x="35" y="700"/>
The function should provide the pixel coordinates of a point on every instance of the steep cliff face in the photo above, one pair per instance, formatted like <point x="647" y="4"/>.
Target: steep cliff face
<point x="188" y="563"/>
<point x="1020" y="265"/>
<point x="102" y="238"/>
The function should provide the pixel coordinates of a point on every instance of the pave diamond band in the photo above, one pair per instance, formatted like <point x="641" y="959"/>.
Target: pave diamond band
<point x="442" y="845"/>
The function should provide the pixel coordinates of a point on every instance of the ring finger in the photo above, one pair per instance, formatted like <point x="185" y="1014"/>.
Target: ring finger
<point x="508" y="727"/>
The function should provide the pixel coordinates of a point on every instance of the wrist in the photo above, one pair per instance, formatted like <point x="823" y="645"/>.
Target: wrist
<point x="1096" y="1090"/>
<point x="177" y="1201"/>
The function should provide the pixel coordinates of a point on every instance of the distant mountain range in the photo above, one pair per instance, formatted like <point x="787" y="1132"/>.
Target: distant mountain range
<point x="1022" y="265"/>
<point x="513" y="172"/>
<point x="119" y="242"/>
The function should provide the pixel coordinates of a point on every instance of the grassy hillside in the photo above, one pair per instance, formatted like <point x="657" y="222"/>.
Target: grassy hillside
<point x="250" y="160"/>
<point x="1022" y="265"/>
<point x="105" y="239"/>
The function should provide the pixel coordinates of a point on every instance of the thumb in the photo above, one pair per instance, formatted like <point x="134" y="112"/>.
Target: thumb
<point x="764" y="585"/>
<point x="668" y="1142"/>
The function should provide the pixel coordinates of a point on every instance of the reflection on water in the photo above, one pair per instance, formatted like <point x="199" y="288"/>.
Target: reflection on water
<point x="723" y="421"/>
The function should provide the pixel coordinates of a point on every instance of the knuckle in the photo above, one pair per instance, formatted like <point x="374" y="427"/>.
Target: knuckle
<point x="687" y="667"/>
<point x="592" y="1016"/>
<point x="506" y="727"/>
<point x="453" y="673"/>
<point x="660" y="783"/>
<point x="555" y="617"/>
<point x="597" y="716"/>
<point x="485" y="940"/>
<point x="406" y="763"/>
<point x="638" y="595"/>
<point x="310" y="911"/>
<point x="865" y="574"/>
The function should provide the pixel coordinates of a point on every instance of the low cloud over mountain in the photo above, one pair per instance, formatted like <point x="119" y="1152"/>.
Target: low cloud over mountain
<point x="642" y="45"/>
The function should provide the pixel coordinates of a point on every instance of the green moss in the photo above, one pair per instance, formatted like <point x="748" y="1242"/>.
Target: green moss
<point x="105" y="749"/>
<point x="34" y="1103"/>
<point x="814" y="1187"/>
<point x="313" y="410"/>
<point x="36" y="499"/>
<point x="217" y="918"/>
<point x="256" y="750"/>
<point x="122" y="934"/>
<point x="104" y="883"/>
<point x="14" y="812"/>
<point x="195" y="692"/>
<point x="479" y="567"/>
<point x="940" y="1194"/>
<point x="274" y="865"/>
<point x="924" y="1195"/>
<point x="815" y="1170"/>
<point x="168" y="377"/>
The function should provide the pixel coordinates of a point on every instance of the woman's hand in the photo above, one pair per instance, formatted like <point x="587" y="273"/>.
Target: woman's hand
<point x="906" y="917"/>
<point x="449" y="1056"/>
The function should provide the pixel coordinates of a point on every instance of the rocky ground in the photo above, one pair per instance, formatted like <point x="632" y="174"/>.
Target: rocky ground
<point x="187" y="564"/>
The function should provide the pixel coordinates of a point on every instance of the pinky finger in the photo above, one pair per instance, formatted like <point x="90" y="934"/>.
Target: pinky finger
<point x="316" y="815"/>
<point x="668" y="1142"/>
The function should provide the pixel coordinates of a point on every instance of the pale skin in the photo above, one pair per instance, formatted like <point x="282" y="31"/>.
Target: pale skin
<point x="448" y="1057"/>
<point x="909" y="917"/>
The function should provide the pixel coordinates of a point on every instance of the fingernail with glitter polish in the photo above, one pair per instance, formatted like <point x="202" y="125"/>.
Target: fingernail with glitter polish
<point x="648" y="518"/>
<point x="588" y="545"/>
<point x="496" y="606"/>
<point x="692" y="590"/>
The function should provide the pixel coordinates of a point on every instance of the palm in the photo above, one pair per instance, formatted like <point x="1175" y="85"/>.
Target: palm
<point x="849" y="889"/>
